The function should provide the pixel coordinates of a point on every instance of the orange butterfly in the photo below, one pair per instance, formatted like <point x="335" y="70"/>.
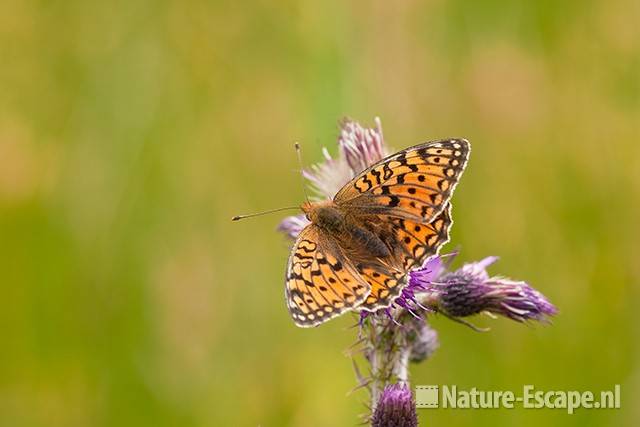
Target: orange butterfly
<point x="359" y="247"/>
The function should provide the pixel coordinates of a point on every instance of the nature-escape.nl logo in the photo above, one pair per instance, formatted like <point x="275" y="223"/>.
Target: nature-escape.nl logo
<point x="449" y="396"/>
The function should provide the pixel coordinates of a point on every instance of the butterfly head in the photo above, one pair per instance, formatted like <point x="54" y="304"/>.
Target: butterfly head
<point x="310" y="210"/>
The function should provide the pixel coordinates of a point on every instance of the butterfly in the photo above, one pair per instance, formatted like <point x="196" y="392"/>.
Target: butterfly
<point x="359" y="246"/>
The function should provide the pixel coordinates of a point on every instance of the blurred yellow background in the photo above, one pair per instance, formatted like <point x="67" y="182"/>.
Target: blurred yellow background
<point x="131" y="131"/>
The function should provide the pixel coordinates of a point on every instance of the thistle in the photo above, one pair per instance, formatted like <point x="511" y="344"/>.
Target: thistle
<point x="469" y="290"/>
<point x="395" y="408"/>
<point x="393" y="337"/>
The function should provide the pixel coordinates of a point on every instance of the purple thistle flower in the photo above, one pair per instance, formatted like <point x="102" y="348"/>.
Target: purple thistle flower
<point x="395" y="408"/>
<point x="470" y="290"/>
<point x="327" y="177"/>
<point x="358" y="148"/>
<point x="409" y="299"/>
<point x="361" y="147"/>
<point x="425" y="343"/>
<point x="293" y="225"/>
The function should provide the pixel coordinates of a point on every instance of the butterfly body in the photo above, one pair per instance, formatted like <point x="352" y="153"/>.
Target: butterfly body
<point x="352" y="233"/>
<point x="360" y="245"/>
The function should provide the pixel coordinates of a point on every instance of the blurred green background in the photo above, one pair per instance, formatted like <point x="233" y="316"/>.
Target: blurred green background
<point x="131" y="131"/>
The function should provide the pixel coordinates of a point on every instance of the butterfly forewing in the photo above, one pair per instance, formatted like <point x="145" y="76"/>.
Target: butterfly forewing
<point x="415" y="183"/>
<point x="321" y="283"/>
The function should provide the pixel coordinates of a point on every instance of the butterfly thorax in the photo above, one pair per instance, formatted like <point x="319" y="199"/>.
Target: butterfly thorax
<point x="351" y="233"/>
<point x="325" y="214"/>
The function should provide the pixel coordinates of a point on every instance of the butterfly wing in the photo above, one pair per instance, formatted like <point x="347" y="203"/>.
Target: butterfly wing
<point x="414" y="184"/>
<point x="321" y="282"/>
<point x="411" y="243"/>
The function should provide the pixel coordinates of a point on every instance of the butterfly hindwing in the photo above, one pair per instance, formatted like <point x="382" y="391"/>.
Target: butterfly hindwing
<point x="411" y="243"/>
<point x="321" y="283"/>
<point x="386" y="285"/>
<point x="414" y="242"/>
<point x="415" y="183"/>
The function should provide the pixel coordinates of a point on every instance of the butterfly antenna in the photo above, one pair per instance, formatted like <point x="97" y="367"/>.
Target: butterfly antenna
<point x="239" y="217"/>
<point x="299" y="154"/>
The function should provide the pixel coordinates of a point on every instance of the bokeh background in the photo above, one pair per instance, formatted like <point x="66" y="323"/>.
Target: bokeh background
<point x="131" y="131"/>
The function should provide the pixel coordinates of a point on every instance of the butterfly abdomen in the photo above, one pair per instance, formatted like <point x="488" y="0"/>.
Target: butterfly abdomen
<point x="367" y="241"/>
